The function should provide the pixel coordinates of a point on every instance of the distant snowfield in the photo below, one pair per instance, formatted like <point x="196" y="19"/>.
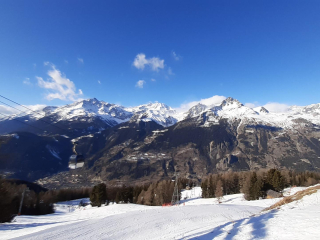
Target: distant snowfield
<point x="195" y="218"/>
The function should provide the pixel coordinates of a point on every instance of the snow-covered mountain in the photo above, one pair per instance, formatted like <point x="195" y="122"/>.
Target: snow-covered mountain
<point x="232" y="109"/>
<point x="87" y="111"/>
<point x="90" y="114"/>
<point x="110" y="113"/>
<point x="220" y="136"/>
<point x="158" y="112"/>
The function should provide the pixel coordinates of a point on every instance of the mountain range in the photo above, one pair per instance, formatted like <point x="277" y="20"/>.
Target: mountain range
<point x="151" y="141"/>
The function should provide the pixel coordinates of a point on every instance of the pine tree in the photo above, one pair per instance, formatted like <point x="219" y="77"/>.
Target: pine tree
<point x="98" y="195"/>
<point x="277" y="181"/>
<point x="204" y="187"/>
<point x="252" y="187"/>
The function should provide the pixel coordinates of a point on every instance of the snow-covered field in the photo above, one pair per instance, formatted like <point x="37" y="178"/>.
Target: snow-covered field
<point x="195" y="218"/>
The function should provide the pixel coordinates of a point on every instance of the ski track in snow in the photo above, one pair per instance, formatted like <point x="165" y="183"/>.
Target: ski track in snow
<point x="195" y="218"/>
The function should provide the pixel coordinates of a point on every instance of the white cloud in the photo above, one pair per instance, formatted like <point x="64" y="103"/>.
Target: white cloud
<point x="175" y="56"/>
<point x="27" y="81"/>
<point x="252" y="105"/>
<point x="99" y="82"/>
<point x="140" y="83"/>
<point x="66" y="61"/>
<point x="212" y="101"/>
<point x="36" y="107"/>
<point x="153" y="80"/>
<point x="276" y="107"/>
<point x="141" y="61"/>
<point x="270" y="106"/>
<point x="80" y="60"/>
<point x="9" y="111"/>
<point x="59" y="86"/>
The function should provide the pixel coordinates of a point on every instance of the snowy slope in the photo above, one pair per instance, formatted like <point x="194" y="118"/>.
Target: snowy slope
<point x="195" y="218"/>
<point x="294" y="221"/>
<point x="131" y="221"/>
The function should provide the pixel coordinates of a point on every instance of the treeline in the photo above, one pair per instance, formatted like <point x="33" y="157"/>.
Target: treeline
<point x="101" y="194"/>
<point x="157" y="193"/>
<point x="153" y="194"/>
<point x="34" y="202"/>
<point x="255" y="184"/>
<point x="10" y="198"/>
<point x="67" y="194"/>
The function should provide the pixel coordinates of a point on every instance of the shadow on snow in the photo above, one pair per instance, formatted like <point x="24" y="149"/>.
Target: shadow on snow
<point x="258" y="224"/>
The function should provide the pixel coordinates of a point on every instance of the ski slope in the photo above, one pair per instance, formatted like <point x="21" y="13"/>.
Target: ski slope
<point x="195" y="218"/>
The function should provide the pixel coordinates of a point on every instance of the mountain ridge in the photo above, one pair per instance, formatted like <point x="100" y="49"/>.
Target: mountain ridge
<point x="149" y="142"/>
<point x="164" y="115"/>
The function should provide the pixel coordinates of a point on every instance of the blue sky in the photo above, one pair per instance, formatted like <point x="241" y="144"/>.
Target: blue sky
<point x="134" y="52"/>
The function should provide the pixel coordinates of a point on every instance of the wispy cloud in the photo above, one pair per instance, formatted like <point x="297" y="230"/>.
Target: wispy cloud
<point x="212" y="101"/>
<point x="59" y="86"/>
<point x="252" y="105"/>
<point x="270" y="106"/>
<point x="276" y="107"/>
<point x="140" y="83"/>
<point x="99" y="82"/>
<point x="66" y="61"/>
<point x="27" y="81"/>
<point x="153" y="80"/>
<point x="170" y="71"/>
<point x="80" y="60"/>
<point x="9" y="111"/>
<point x="175" y="56"/>
<point x="141" y="61"/>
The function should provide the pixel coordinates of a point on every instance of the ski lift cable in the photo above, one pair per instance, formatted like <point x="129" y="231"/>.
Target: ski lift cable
<point x="75" y="161"/>
<point x="28" y="109"/>
<point x="21" y="104"/>
<point x="12" y="107"/>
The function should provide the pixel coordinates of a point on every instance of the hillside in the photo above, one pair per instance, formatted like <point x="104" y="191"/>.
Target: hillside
<point x="147" y="142"/>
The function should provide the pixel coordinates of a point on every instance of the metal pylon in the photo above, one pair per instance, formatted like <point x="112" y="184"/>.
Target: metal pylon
<point x="176" y="195"/>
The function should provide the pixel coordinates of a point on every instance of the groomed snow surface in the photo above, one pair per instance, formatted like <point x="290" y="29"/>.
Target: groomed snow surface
<point x="195" y="218"/>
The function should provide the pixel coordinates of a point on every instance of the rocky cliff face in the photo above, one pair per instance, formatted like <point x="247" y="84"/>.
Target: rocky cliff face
<point x="146" y="151"/>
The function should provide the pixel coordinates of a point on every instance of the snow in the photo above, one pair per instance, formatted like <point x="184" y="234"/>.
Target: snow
<point x="158" y="112"/>
<point x="230" y="108"/>
<point x="194" y="218"/>
<point x="54" y="153"/>
<point x="85" y="136"/>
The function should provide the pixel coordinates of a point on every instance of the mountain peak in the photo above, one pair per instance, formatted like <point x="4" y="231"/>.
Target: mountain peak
<point x="231" y="101"/>
<point x="158" y="106"/>
<point x="260" y="109"/>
